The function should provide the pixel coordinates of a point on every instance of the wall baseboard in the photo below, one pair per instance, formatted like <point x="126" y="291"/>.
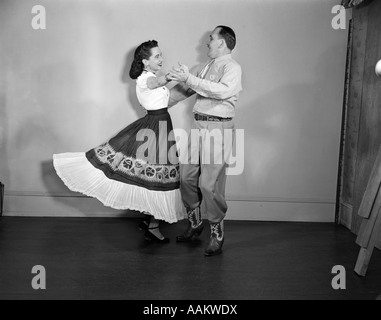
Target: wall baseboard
<point x="281" y="211"/>
<point x="78" y="206"/>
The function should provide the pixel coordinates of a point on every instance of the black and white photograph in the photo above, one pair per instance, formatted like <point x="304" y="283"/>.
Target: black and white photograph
<point x="190" y="156"/>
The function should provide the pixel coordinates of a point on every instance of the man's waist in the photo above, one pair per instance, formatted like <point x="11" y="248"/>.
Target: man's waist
<point x="207" y="117"/>
<point x="214" y="108"/>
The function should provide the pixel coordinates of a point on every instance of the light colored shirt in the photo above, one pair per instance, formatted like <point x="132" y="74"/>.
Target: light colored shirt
<point x="217" y="92"/>
<point x="151" y="99"/>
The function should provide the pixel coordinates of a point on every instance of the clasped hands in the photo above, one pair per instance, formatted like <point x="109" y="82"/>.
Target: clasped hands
<point x="180" y="74"/>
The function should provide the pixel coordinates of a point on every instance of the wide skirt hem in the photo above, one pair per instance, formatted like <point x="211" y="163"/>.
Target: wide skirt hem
<point x="79" y="175"/>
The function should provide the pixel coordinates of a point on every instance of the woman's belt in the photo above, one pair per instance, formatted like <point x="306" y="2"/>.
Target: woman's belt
<point x="157" y="112"/>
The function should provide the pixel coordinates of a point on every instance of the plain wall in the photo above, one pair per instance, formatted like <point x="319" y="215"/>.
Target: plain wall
<point x="67" y="89"/>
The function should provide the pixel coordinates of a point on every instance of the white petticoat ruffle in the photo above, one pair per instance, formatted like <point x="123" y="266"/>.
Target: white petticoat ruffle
<point x="80" y="175"/>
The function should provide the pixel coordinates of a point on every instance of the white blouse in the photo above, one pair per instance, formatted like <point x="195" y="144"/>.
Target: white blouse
<point x="151" y="99"/>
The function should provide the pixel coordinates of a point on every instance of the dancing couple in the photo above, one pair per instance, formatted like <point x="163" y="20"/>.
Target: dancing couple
<point x="129" y="172"/>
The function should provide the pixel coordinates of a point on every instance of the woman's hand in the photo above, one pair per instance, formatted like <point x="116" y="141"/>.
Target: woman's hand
<point x="179" y="74"/>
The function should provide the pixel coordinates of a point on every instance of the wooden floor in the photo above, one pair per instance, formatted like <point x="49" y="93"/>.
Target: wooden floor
<point x="107" y="258"/>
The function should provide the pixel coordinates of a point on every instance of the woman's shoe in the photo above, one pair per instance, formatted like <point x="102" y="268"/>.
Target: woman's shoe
<point x="144" y="224"/>
<point x="151" y="237"/>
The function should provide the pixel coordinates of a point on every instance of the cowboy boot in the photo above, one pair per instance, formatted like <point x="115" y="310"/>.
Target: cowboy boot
<point x="195" y="226"/>
<point x="216" y="239"/>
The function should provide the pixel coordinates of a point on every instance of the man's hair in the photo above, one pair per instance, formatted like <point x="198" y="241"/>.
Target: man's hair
<point x="228" y="35"/>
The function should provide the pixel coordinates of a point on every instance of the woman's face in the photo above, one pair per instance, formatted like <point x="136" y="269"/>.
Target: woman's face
<point x="155" y="61"/>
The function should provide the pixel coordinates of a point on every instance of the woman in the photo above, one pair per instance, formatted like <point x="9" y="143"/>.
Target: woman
<point x="131" y="171"/>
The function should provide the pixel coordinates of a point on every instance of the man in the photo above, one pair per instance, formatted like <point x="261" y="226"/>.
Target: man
<point x="217" y="86"/>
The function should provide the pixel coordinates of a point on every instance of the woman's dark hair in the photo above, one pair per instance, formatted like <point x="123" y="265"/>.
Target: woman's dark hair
<point x="228" y="35"/>
<point x="141" y="52"/>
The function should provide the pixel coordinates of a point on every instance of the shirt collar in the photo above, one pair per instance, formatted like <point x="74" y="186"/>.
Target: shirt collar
<point x="224" y="57"/>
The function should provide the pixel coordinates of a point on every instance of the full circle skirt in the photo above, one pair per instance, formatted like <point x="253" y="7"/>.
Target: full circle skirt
<point x="137" y="169"/>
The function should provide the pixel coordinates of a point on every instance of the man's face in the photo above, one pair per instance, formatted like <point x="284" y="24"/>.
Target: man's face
<point x="214" y="43"/>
